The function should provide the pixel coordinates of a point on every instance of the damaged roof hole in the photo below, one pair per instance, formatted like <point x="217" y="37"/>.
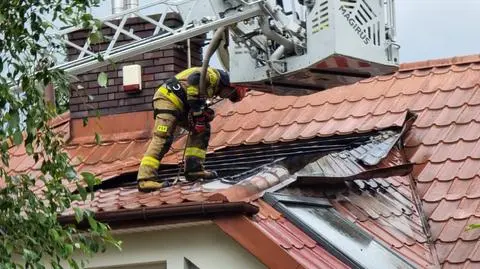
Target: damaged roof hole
<point x="234" y="164"/>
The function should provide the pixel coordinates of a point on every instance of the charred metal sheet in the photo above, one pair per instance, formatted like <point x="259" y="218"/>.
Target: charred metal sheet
<point x="399" y="170"/>
<point x="233" y="162"/>
<point x="380" y="145"/>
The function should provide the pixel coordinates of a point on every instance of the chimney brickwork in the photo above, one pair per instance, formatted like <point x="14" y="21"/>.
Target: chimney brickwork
<point x="88" y="99"/>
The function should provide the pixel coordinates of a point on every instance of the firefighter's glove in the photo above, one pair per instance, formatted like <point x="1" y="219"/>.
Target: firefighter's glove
<point x="209" y="114"/>
<point x="197" y="122"/>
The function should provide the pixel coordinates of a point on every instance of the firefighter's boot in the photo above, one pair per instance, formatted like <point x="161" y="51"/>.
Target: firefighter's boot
<point x="150" y="185"/>
<point x="194" y="169"/>
<point x="204" y="174"/>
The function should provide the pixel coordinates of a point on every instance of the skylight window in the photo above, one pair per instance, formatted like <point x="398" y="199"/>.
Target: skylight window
<point x="341" y="237"/>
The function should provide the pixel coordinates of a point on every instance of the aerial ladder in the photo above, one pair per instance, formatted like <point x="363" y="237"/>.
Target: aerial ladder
<point x="317" y="45"/>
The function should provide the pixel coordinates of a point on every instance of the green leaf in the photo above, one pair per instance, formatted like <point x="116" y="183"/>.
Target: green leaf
<point x="85" y="121"/>
<point x="89" y="178"/>
<point x="93" y="223"/>
<point x="96" y="37"/>
<point x="70" y="173"/>
<point x="9" y="247"/>
<point x="98" y="23"/>
<point x="472" y="226"/>
<point x="2" y="18"/>
<point x="29" y="149"/>
<point x="68" y="248"/>
<point x="78" y="214"/>
<point x="17" y="138"/>
<point x="46" y="24"/>
<point x="87" y="17"/>
<point x="82" y="191"/>
<point x="54" y="234"/>
<point x="14" y="119"/>
<point x="98" y="139"/>
<point x="102" y="79"/>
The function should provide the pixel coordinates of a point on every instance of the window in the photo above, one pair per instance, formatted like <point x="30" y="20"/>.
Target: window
<point x="341" y="237"/>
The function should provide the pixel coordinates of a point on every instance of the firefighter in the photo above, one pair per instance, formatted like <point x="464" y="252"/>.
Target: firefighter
<point x="179" y="102"/>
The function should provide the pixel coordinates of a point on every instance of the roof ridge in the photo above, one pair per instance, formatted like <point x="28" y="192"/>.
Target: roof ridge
<point x="439" y="62"/>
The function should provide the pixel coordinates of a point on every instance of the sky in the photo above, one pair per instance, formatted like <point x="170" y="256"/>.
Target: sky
<point x="426" y="29"/>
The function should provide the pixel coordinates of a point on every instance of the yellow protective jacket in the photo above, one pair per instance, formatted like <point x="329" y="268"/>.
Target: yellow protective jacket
<point x="190" y="81"/>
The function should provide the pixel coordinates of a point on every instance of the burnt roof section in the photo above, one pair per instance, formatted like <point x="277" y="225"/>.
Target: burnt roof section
<point x="383" y="205"/>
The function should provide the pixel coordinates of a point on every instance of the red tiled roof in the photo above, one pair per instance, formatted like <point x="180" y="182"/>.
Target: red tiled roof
<point x="20" y="162"/>
<point x="443" y="142"/>
<point x="267" y="118"/>
<point x="293" y="240"/>
<point x="129" y="198"/>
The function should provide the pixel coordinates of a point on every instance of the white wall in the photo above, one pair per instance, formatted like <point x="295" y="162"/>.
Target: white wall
<point x="205" y="245"/>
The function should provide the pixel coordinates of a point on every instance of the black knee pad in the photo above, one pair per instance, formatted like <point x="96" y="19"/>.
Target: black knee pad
<point x="167" y="145"/>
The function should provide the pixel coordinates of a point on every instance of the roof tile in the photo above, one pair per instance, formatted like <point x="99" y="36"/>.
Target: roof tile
<point x="444" y="209"/>
<point x="475" y="98"/>
<point x="257" y="135"/>
<point x="420" y="256"/>
<point x="470" y="235"/>
<point x="450" y="170"/>
<point x="461" y="251"/>
<point x="420" y="154"/>
<point x="473" y="191"/>
<point x="460" y="97"/>
<point x="436" y="191"/>
<point x="454" y="151"/>
<point x="452" y="230"/>
<point x="469" y="169"/>
<point x="469" y="113"/>
<point x="437" y="101"/>
<point x="299" y="245"/>
<point x="426" y="172"/>
<point x="449" y="115"/>
<point x="280" y="235"/>
<point x="466" y="208"/>
<point x="460" y="188"/>
<point x="307" y="241"/>
<point x="291" y="132"/>
<point x="428" y="208"/>
<point x="475" y="255"/>
<point x="444" y="249"/>
<point x="436" y="228"/>
<point x="382" y="235"/>
<point x="427" y="117"/>
<point x="310" y="260"/>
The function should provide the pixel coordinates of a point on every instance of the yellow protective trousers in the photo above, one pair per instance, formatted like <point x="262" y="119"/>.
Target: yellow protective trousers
<point x="166" y="121"/>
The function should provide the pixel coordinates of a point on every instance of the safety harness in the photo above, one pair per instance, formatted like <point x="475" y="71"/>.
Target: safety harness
<point x="172" y="85"/>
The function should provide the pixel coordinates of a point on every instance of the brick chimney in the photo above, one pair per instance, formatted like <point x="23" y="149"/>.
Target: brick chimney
<point x="88" y="99"/>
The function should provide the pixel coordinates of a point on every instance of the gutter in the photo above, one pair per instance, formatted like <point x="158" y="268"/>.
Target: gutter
<point x="168" y="212"/>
